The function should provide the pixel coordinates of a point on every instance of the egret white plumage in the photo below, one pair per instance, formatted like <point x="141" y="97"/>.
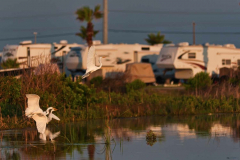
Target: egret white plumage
<point x="91" y="67"/>
<point x="51" y="115"/>
<point x="34" y="111"/>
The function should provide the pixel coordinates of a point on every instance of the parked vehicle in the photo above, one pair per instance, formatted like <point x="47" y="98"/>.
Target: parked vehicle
<point x="31" y="55"/>
<point x="117" y="56"/>
<point x="188" y="60"/>
<point x="27" y="54"/>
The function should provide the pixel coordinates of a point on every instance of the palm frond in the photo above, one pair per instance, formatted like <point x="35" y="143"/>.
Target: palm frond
<point x="156" y="39"/>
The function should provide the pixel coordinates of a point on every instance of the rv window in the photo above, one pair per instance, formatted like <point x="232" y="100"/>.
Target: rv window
<point x="191" y="55"/>
<point x="223" y="62"/>
<point x="145" y="48"/>
<point x="145" y="60"/>
<point x="238" y="62"/>
<point x="228" y="61"/>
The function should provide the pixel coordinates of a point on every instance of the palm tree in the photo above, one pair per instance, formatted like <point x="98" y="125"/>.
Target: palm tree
<point x="156" y="39"/>
<point x="10" y="63"/>
<point x="87" y="14"/>
<point x="83" y="33"/>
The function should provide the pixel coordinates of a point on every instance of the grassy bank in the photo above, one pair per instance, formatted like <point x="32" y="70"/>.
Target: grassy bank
<point x="102" y="98"/>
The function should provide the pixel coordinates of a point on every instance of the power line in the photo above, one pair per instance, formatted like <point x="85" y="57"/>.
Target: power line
<point x="171" y="12"/>
<point x="37" y="16"/>
<point x="124" y="31"/>
<point x="169" y="32"/>
<point x="43" y="36"/>
<point x="119" y="11"/>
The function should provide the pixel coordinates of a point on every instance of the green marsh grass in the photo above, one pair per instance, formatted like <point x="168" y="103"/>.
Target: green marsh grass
<point x="111" y="98"/>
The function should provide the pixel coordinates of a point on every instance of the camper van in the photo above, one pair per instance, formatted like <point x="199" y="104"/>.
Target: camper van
<point x="188" y="60"/>
<point x="116" y="57"/>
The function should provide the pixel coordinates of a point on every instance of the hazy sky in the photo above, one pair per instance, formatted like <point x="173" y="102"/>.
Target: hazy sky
<point x="56" y="19"/>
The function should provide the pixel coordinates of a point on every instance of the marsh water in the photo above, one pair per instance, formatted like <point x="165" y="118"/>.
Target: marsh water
<point x="177" y="137"/>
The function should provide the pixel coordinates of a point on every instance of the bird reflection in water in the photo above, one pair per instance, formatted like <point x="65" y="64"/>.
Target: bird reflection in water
<point x="48" y="135"/>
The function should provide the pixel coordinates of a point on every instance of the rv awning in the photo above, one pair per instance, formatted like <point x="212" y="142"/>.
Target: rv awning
<point x="142" y="71"/>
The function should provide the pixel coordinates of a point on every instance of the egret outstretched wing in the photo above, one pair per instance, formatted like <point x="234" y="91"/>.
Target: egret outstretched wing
<point x="52" y="116"/>
<point x="41" y="122"/>
<point x="33" y="105"/>
<point x="91" y="58"/>
<point x="55" y="117"/>
<point x="90" y="62"/>
<point x="34" y="111"/>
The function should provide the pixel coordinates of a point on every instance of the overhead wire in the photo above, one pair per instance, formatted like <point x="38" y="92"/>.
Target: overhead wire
<point x="123" y="30"/>
<point x="173" y="12"/>
<point x="126" y="31"/>
<point x="121" y="11"/>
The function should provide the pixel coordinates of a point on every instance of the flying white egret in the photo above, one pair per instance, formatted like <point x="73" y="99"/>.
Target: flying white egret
<point x="91" y="67"/>
<point x="34" y="111"/>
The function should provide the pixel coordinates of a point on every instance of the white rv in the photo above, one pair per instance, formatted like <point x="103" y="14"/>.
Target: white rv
<point x="117" y="56"/>
<point x="27" y="54"/>
<point x="188" y="60"/>
<point x="60" y="50"/>
<point x="31" y="55"/>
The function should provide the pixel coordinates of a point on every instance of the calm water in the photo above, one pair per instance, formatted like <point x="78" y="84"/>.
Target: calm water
<point x="191" y="137"/>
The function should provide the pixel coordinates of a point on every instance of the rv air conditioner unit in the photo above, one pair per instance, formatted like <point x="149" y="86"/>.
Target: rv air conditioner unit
<point x="230" y="45"/>
<point x="26" y="42"/>
<point x="183" y="44"/>
<point x="96" y="42"/>
<point x="63" y="42"/>
<point x="170" y="45"/>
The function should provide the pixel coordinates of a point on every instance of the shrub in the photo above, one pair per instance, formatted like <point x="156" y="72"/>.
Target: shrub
<point x="96" y="81"/>
<point x="10" y="63"/>
<point x="201" y="81"/>
<point x="135" y="85"/>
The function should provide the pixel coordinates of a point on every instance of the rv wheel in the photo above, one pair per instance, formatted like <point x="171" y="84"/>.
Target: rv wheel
<point x="160" y="80"/>
<point x="224" y="79"/>
<point x="175" y="81"/>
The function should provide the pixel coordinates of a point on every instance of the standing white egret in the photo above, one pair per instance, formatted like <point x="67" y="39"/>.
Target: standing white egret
<point x="91" y="67"/>
<point x="51" y="115"/>
<point x="34" y="111"/>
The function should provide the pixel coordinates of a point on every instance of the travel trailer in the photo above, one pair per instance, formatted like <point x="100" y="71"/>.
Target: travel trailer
<point x="60" y="50"/>
<point x="188" y="60"/>
<point x="31" y="55"/>
<point x="27" y="54"/>
<point x="117" y="56"/>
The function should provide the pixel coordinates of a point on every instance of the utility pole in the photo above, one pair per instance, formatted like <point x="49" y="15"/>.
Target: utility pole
<point x="105" y="21"/>
<point x="193" y="32"/>
<point x="35" y="37"/>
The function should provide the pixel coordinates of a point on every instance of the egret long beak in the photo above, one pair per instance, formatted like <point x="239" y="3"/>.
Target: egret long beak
<point x="55" y="109"/>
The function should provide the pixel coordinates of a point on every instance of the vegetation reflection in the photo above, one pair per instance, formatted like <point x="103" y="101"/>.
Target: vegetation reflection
<point x="101" y="137"/>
